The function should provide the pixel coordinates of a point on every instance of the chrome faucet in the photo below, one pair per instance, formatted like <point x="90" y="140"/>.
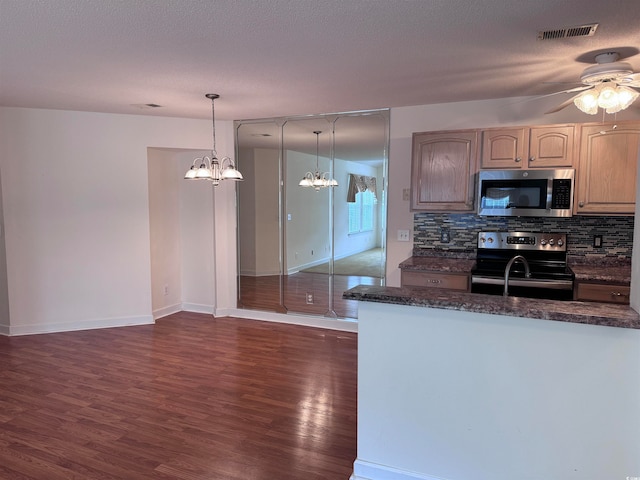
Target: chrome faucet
<point x="507" y="270"/>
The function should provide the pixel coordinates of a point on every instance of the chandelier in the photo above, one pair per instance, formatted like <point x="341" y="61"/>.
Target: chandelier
<point x="609" y="96"/>
<point x="209" y="168"/>
<point x="317" y="180"/>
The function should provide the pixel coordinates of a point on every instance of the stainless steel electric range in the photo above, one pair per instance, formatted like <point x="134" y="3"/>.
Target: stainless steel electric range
<point x="530" y="264"/>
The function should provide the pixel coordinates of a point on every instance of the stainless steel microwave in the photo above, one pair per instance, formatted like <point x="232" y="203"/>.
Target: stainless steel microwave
<point x="526" y="193"/>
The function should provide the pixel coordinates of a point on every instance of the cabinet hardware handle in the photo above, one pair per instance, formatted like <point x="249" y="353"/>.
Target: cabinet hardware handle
<point x="618" y="294"/>
<point x="532" y="159"/>
<point x="434" y="281"/>
<point x="581" y="204"/>
<point x="518" y="159"/>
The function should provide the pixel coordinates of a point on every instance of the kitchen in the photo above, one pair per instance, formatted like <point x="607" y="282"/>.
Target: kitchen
<point x="515" y="397"/>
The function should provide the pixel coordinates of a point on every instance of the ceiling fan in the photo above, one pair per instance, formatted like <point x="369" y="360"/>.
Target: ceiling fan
<point x="608" y="84"/>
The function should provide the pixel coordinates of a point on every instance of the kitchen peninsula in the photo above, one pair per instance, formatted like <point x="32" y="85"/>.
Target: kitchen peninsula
<point x="455" y="385"/>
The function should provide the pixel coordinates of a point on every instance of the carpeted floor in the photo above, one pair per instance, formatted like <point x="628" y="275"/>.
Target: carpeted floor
<point x="364" y="264"/>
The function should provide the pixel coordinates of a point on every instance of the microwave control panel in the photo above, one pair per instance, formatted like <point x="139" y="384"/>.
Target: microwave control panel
<point x="561" y="193"/>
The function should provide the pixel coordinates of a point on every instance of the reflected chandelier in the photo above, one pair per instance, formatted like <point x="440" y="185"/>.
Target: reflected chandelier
<point x="209" y="168"/>
<point x="317" y="180"/>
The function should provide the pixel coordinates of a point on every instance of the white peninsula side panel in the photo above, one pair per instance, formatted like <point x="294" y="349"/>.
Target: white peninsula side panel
<point x="451" y="395"/>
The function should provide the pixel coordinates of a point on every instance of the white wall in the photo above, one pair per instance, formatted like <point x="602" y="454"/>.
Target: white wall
<point x="4" y="287"/>
<point x="307" y="240"/>
<point x="454" y="116"/>
<point x="77" y="224"/>
<point x="197" y="243"/>
<point x="259" y="208"/>
<point x="466" y="396"/>
<point x="181" y="218"/>
<point x="164" y="226"/>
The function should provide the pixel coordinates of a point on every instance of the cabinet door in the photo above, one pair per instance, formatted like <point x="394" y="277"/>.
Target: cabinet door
<point x="607" y="165"/>
<point x="504" y="148"/>
<point x="551" y="147"/>
<point x="442" y="171"/>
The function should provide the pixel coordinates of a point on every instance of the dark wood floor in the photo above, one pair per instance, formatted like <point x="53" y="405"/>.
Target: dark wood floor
<point x="191" y="397"/>
<point x="288" y="293"/>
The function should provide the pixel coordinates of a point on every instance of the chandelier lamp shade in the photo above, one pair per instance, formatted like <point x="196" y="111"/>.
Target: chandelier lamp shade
<point x="210" y="168"/>
<point x="317" y="180"/>
<point x="609" y="96"/>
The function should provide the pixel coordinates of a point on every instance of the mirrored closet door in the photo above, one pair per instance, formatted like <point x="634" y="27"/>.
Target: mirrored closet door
<point x="311" y="211"/>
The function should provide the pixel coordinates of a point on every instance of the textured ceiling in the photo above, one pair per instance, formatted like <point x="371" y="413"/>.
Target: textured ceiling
<point x="269" y="58"/>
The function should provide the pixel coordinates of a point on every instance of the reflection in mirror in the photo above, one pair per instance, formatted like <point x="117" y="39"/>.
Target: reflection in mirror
<point x="259" y="263"/>
<point x="318" y="243"/>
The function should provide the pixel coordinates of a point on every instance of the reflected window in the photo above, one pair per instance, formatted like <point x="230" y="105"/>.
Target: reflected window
<point x="361" y="212"/>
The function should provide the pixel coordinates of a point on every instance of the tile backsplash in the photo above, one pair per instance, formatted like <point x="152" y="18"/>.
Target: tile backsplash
<point x="462" y="229"/>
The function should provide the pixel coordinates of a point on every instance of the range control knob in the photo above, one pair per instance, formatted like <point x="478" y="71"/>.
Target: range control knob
<point x="490" y="239"/>
<point x="551" y="241"/>
<point x="560" y="242"/>
<point x="543" y="242"/>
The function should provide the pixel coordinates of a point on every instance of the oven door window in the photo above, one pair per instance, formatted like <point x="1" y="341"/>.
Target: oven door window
<point x="500" y="194"/>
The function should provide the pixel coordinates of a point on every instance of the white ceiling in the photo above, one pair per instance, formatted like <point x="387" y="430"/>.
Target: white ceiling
<point x="270" y="58"/>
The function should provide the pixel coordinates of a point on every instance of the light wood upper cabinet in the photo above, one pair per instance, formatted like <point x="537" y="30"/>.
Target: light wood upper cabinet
<point x="607" y="166"/>
<point x="442" y="171"/>
<point x="549" y="146"/>
<point x="504" y="147"/>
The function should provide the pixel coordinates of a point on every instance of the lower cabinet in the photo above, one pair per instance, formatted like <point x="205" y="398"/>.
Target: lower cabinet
<point x="602" y="292"/>
<point x="450" y="281"/>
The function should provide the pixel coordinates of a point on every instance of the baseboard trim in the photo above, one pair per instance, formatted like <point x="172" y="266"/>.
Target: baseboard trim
<point x="372" y="471"/>
<point x="5" y="330"/>
<point x="197" y="308"/>
<point x="81" y="325"/>
<point x="166" y="311"/>
<point x="344" y="325"/>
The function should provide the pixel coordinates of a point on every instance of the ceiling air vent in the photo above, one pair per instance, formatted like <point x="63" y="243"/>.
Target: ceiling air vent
<point x="566" y="32"/>
<point x="144" y="106"/>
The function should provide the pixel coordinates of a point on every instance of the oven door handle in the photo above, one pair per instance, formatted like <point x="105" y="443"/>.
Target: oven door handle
<point x="524" y="282"/>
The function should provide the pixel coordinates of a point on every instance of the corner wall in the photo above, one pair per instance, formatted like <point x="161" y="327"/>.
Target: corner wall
<point x="77" y="228"/>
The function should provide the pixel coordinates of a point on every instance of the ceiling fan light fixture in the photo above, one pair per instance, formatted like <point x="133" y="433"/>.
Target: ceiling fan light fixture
<point x="626" y="96"/>
<point x="608" y="97"/>
<point x="587" y="101"/>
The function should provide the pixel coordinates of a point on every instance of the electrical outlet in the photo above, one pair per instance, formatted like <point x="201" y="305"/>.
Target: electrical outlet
<point x="309" y="298"/>
<point x="445" y="235"/>
<point x="406" y="194"/>
<point x="597" y="241"/>
<point x="166" y="290"/>
<point x="403" y="235"/>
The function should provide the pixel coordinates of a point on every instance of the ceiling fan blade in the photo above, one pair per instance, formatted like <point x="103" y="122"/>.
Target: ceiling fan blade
<point x="571" y="90"/>
<point x="564" y="104"/>
<point x="632" y="80"/>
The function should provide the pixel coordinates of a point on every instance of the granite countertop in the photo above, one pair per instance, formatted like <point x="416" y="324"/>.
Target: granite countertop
<point x="586" y="270"/>
<point x="601" y="270"/>
<point x="592" y="313"/>
<point x="438" y="264"/>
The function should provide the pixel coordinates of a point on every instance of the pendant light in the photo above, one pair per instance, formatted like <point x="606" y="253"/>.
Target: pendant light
<point x="209" y="168"/>
<point x="317" y="180"/>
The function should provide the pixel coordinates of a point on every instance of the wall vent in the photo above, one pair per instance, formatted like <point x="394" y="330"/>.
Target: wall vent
<point x="566" y="32"/>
